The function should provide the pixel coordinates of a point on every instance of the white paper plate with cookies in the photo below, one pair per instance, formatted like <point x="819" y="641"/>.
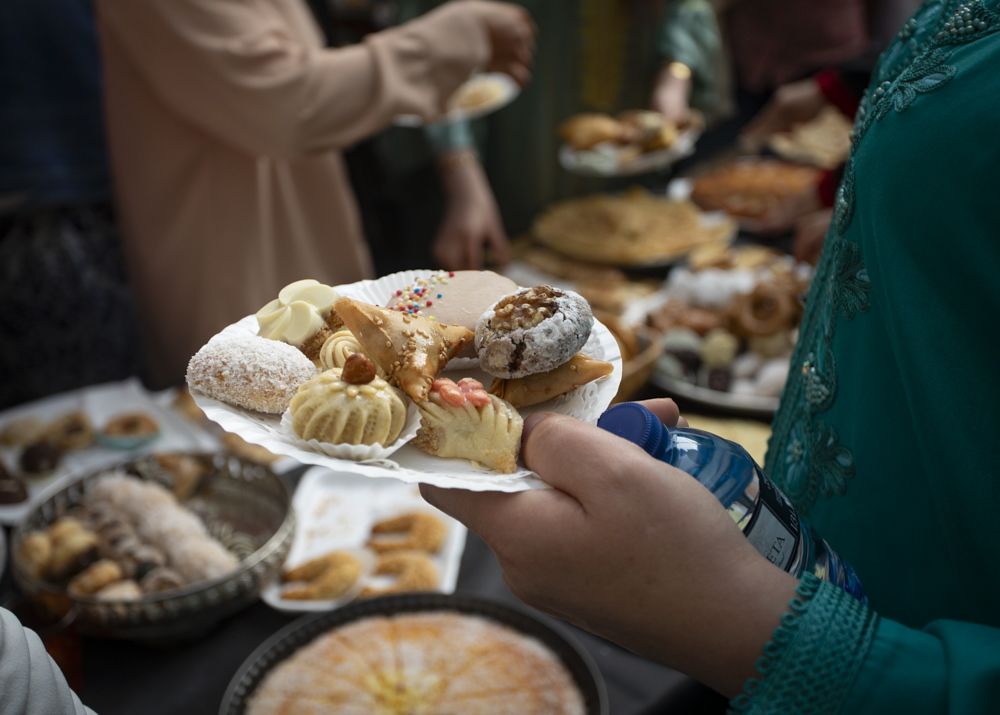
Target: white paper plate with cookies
<point x="407" y="458"/>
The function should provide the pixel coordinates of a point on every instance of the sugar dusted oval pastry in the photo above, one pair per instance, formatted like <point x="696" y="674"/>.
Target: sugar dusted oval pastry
<point x="349" y="405"/>
<point x="250" y="372"/>
<point x="462" y="420"/>
<point x="531" y="331"/>
<point x="302" y="315"/>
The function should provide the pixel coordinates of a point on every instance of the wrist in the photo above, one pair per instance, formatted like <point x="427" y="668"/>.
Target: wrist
<point x="460" y="171"/>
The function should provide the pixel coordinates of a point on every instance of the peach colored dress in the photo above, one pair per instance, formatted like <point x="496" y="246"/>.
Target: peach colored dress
<point x="225" y="122"/>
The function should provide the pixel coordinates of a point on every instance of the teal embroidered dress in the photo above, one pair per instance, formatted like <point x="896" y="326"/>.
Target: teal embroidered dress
<point x="887" y="438"/>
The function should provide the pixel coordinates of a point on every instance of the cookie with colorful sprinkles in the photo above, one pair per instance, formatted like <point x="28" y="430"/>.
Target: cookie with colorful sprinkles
<point x="453" y="297"/>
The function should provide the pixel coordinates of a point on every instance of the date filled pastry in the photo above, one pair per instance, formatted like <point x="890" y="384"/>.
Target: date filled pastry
<point x="411" y="349"/>
<point x="349" y="405"/>
<point x="463" y="421"/>
<point x="302" y="315"/>
<point x="541" y="387"/>
<point x="531" y="331"/>
<point x="249" y="371"/>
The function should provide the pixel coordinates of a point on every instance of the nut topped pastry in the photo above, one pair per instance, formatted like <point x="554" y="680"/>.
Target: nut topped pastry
<point x="411" y="349"/>
<point x="349" y="405"/>
<point x="302" y="315"/>
<point x="531" y="331"/>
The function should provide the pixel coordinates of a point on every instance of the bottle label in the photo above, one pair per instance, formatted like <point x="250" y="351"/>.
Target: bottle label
<point x="774" y="527"/>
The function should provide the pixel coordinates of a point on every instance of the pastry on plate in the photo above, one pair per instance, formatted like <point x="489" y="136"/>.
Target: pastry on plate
<point x="325" y="577"/>
<point x="541" y="387"/>
<point x="249" y="371"/>
<point x="452" y="297"/>
<point x="302" y="315"/>
<point x="71" y="431"/>
<point x="129" y="430"/>
<point x="411" y="349"/>
<point x="463" y="421"/>
<point x="39" y="459"/>
<point x="531" y="331"/>
<point x="585" y="131"/>
<point x="476" y="93"/>
<point x="95" y="577"/>
<point x="21" y="431"/>
<point x="349" y="405"/>
<point x="12" y="489"/>
<point x="413" y="571"/>
<point x="338" y="347"/>
<point x="414" y="531"/>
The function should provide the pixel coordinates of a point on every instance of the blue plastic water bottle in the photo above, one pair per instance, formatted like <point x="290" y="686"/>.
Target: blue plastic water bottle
<point x="762" y="512"/>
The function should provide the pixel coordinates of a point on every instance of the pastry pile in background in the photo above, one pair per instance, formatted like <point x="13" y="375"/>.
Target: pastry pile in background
<point x="753" y="188"/>
<point x="632" y="228"/>
<point x="129" y="538"/>
<point x="629" y="135"/>
<point x="346" y="370"/>
<point x="39" y="446"/>
<point x="730" y="319"/>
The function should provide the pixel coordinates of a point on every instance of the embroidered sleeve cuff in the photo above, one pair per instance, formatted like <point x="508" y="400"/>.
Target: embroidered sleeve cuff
<point x="814" y="655"/>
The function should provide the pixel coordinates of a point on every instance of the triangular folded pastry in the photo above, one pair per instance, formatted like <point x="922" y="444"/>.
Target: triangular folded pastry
<point x="411" y="349"/>
<point x="533" y="389"/>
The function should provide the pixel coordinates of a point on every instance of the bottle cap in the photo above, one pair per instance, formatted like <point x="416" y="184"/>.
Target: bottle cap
<point x="637" y="424"/>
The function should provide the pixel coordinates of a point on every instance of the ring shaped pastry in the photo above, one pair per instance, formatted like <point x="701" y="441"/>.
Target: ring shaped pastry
<point x="531" y="331"/>
<point x="765" y="311"/>
<point x="129" y="430"/>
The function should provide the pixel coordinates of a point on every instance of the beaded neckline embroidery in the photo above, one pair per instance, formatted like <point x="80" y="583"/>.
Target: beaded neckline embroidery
<point x="805" y="456"/>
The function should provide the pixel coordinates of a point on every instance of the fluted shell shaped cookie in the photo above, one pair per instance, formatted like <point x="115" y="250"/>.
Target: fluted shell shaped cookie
<point x="340" y="346"/>
<point x="328" y="409"/>
<point x="534" y="330"/>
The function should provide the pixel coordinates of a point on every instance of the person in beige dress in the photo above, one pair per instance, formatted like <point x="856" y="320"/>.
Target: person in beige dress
<point x="225" y="123"/>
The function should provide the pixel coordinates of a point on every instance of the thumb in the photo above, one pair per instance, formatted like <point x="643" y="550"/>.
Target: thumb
<point x="580" y="459"/>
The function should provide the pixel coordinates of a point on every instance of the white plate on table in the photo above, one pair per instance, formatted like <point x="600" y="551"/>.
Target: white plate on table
<point x="336" y="511"/>
<point x="409" y="464"/>
<point x="506" y="90"/>
<point x="100" y="403"/>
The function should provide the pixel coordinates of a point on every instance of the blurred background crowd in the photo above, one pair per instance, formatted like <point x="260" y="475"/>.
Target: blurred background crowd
<point x="167" y="165"/>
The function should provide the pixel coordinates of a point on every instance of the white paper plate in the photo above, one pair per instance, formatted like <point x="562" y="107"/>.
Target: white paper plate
<point x="409" y="464"/>
<point x="336" y="511"/>
<point x="603" y="160"/>
<point x="508" y="91"/>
